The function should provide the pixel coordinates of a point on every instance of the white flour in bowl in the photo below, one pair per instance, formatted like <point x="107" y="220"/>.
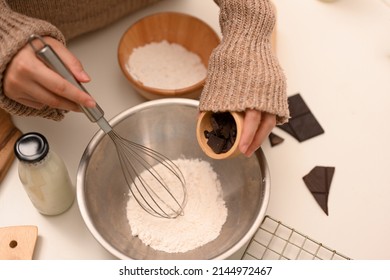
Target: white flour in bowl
<point x="204" y="214"/>
<point x="165" y="65"/>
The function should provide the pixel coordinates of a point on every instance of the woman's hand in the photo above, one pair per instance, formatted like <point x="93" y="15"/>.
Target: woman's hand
<point x="257" y="126"/>
<point x="30" y="82"/>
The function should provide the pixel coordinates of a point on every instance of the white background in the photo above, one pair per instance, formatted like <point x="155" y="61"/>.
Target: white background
<point x="336" y="55"/>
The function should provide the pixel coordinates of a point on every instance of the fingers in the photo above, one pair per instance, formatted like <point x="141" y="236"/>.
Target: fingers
<point x="37" y="97"/>
<point x="51" y="82"/>
<point x="30" y="82"/>
<point x="268" y="122"/>
<point x="251" y="124"/>
<point x="69" y="59"/>
<point x="31" y="103"/>
<point x="257" y="127"/>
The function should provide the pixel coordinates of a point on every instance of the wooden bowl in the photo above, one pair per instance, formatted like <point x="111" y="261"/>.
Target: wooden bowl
<point x="188" y="31"/>
<point x="204" y="123"/>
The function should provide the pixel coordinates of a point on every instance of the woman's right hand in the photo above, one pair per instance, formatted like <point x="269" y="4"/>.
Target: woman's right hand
<point x="29" y="81"/>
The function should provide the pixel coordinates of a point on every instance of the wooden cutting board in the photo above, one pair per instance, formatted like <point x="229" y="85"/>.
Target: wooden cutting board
<point x="8" y="136"/>
<point x="18" y="242"/>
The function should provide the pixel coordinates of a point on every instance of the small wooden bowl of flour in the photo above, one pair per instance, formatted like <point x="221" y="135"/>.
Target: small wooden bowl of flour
<point x="166" y="55"/>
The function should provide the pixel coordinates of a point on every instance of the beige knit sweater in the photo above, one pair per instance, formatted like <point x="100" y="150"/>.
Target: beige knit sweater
<point x="243" y="71"/>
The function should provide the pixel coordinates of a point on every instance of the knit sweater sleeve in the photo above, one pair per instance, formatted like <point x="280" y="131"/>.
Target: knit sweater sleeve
<point x="15" y="30"/>
<point x="243" y="71"/>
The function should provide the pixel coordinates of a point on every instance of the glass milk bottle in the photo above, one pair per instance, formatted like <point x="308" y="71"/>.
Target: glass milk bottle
<point x="43" y="175"/>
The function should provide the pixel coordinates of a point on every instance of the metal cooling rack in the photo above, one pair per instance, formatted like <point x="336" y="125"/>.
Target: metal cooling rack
<point x="276" y="241"/>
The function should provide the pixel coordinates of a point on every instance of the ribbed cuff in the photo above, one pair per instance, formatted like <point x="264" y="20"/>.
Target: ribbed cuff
<point x="15" y="30"/>
<point x="243" y="71"/>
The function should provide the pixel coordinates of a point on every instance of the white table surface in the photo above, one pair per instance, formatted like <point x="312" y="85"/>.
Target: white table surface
<point x="336" y="55"/>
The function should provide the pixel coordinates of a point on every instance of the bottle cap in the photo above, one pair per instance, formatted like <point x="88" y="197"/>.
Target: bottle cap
<point x="31" y="147"/>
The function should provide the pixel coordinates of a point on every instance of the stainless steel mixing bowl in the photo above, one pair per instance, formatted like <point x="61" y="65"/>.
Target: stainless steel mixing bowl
<point x="167" y="126"/>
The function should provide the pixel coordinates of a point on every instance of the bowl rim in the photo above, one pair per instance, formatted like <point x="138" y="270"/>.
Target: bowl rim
<point x="153" y="90"/>
<point x="80" y="194"/>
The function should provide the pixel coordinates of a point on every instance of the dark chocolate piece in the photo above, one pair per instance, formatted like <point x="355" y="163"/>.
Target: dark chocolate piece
<point x="214" y="123"/>
<point x="228" y="145"/>
<point x="305" y="127"/>
<point x="287" y="128"/>
<point x="275" y="139"/>
<point x="302" y="124"/>
<point x="225" y="130"/>
<point x="216" y="143"/>
<point x="223" y="134"/>
<point x="318" y="181"/>
<point x="297" y="106"/>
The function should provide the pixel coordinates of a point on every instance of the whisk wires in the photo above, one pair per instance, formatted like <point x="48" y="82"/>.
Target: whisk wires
<point x="154" y="181"/>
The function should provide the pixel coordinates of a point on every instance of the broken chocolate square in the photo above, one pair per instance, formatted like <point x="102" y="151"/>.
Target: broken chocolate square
<point x="297" y="106"/>
<point x="305" y="127"/>
<point x="302" y="124"/>
<point x="318" y="181"/>
<point x="287" y="128"/>
<point x="275" y="139"/>
<point x="216" y="143"/>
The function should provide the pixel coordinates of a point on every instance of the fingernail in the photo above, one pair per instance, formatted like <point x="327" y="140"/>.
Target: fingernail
<point x="90" y="103"/>
<point x="248" y="154"/>
<point x="243" y="148"/>
<point x="84" y="75"/>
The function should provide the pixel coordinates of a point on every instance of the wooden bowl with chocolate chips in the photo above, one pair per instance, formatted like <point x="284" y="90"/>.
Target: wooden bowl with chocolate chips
<point x="218" y="134"/>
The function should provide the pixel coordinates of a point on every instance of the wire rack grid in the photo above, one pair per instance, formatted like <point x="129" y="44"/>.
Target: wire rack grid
<point x="275" y="241"/>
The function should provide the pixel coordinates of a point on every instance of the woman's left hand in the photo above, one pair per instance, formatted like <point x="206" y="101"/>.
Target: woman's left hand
<point x="257" y="126"/>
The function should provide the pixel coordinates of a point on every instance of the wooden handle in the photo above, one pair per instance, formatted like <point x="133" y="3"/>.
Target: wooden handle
<point x="18" y="242"/>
